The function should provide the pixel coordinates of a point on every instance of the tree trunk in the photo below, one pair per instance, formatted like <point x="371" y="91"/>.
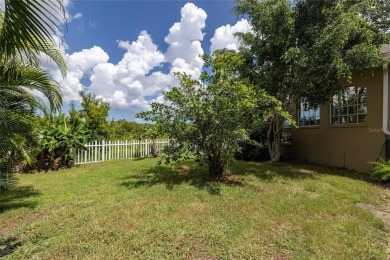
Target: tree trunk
<point x="273" y="137"/>
<point x="276" y="152"/>
<point x="153" y="148"/>
<point x="270" y="140"/>
<point x="216" y="167"/>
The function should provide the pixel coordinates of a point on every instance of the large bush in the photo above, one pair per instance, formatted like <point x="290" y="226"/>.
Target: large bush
<point x="209" y="118"/>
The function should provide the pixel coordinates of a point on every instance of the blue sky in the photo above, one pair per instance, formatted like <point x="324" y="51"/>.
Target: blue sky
<point x="125" y="51"/>
<point x="105" y="22"/>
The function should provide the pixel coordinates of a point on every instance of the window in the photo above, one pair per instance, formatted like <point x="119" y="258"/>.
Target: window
<point x="349" y="107"/>
<point x="308" y="115"/>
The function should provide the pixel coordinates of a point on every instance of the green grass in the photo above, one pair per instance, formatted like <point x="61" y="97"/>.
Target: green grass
<point x="134" y="209"/>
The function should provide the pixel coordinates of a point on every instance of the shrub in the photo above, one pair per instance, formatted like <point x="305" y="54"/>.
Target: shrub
<point x="57" y="142"/>
<point x="380" y="171"/>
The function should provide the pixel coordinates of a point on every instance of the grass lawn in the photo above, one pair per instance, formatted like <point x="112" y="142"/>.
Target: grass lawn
<point x="134" y="209"/>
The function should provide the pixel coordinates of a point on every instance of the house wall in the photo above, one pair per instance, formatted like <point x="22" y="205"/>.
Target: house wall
<point x="348" y="146"/>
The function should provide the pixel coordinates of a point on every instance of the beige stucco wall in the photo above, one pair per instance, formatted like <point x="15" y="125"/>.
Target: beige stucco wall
<point x="348" y="146"/>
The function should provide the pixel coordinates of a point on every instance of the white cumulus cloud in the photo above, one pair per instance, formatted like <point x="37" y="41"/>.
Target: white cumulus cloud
<point x="131" y="84"/>
<point x="184" y="39"/>
<point x="137" y="79"/>
<point x="224" y="36"/>
<point x="79" y="64"/>
<point x="128" y="81"/>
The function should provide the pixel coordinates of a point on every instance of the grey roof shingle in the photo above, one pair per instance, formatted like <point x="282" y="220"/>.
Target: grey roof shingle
<point x="385" y="49"/>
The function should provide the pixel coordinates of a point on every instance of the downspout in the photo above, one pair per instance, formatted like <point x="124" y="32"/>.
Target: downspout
<point x="385" y="100"/>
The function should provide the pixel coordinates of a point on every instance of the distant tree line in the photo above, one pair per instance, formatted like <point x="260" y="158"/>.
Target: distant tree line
<point x="94" y="113"/>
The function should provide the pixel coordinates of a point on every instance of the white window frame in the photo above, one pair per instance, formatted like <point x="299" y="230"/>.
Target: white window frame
<point x="346" y="112"/>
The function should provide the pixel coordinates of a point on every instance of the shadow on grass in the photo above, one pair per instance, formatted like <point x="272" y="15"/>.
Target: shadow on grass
<point x="141" y="158"/>
<point x="8" y="246"/>
<point x="329" y="170"/>
<point x="267" y="172"/>
<point x="17" y="198"/>
<point x="198" y="177"/>
<point x="170" y="176"/>
<point x="293" y="170"/>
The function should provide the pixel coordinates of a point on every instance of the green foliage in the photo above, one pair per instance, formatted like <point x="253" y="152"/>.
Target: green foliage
<point x="335" y="37"/>
<point x="7" y="176"/>
<point x="74" y="115"/>
<point x="57" y="141"/>
<point x="209" y="118"/>
<point x="18" y="104"/>
<point x="16" y="126"/>
<point x="254" y="149"/>
<point x="124" y="130"/>
<point x="26" y="29"/>
<point x="380" y="171"/>
<point x="306" y="48"/>
<point x="94" y="112"/>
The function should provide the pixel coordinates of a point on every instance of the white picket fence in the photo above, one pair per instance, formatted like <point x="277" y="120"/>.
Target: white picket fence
<point x="108" y="150"/>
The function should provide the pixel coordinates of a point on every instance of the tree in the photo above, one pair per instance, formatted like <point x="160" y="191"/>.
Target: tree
<point x="95" y="113"/>
<point x="305" y="49"/>
<point x="74" y="115"/>
<point x="207" y="118"/>
<point x="26" y="29"/>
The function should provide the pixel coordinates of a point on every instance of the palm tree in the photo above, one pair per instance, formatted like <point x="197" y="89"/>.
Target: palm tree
<point x="26" y="31"/>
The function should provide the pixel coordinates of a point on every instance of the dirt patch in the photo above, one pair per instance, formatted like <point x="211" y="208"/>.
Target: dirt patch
<point x="378" y="211"/>
<point x="313" y="195"/>
<point x="382" y="212"/>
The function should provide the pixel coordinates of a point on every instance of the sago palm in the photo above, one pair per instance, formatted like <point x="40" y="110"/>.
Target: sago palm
<point x="26" y="31"/>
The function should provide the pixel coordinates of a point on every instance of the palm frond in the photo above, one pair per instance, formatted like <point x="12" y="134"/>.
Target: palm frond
<point x="52" y="51"/>
<point x="28" y="27"/>
<point x="18" y="80"/>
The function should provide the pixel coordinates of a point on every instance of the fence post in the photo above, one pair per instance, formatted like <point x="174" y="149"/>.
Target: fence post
<point x="109" y="150"/>
<point x="131" y="149"/>
<point x="147" y="146"/>
<point x="85" y="155"/>
<point x="103" y="151"/>
<point x="126" y="150"/>
<point x="95" y="151"/>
